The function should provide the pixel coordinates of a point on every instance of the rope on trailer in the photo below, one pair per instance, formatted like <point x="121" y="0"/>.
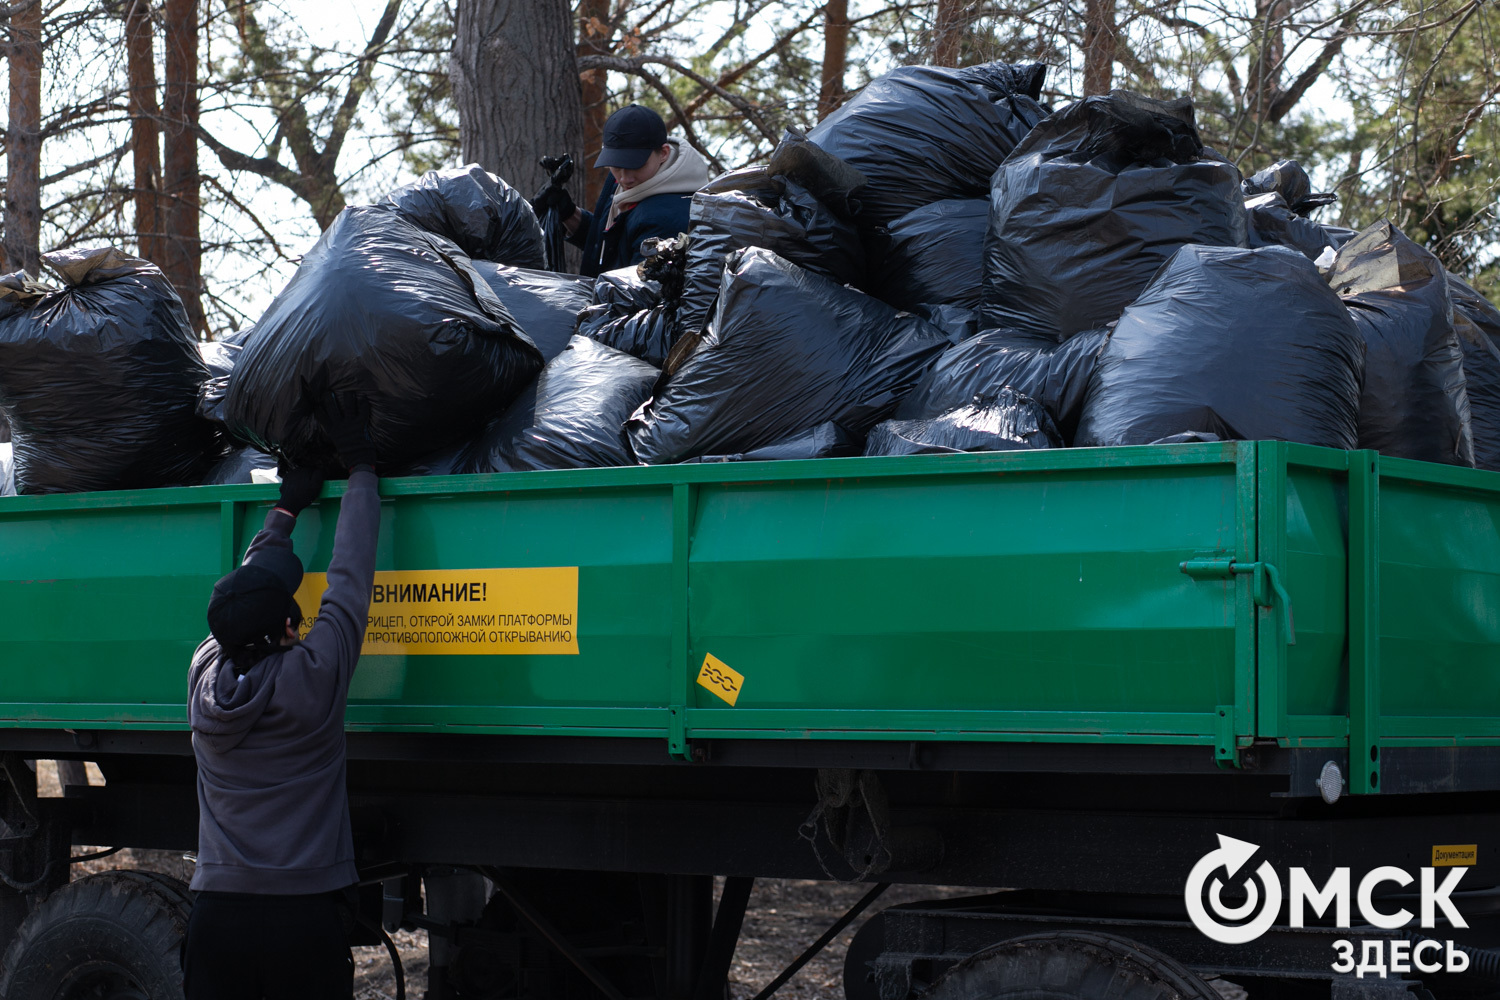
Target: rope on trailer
<point x="842" y="792"/>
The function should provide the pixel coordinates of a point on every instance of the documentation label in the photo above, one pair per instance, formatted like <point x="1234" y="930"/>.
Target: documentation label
<point x="463" y="612"/>
<point x="1454" y="855"/>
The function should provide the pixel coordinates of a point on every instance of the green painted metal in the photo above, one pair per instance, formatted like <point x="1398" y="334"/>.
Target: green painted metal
<point x="1364" y="622"/>
<point x="1189" y="594"/>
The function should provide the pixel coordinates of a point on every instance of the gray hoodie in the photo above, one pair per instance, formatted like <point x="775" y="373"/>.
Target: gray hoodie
<point x="273" y="813"/>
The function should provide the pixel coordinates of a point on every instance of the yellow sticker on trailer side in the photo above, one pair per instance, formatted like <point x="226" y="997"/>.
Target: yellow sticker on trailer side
<point x="463" y="612"/>
<point x="722" y="679"/>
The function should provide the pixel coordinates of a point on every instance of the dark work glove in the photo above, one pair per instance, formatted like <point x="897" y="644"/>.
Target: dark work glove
<point x="300" y="486"/>
<point x="555" y="194"/>
<point x="345" y="418"/>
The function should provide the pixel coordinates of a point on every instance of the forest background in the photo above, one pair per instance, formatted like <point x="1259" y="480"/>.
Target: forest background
<point x="219" y="137"/>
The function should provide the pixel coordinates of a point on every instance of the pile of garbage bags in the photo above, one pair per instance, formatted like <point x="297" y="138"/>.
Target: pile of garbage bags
<point x="944" y="265"/>
<point x="99" y="378"/>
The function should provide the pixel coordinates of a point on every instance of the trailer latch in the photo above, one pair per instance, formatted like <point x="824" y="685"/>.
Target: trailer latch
<point x="1265" y="585"/>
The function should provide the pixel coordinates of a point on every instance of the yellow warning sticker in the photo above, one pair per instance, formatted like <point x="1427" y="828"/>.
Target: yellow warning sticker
<point x="1455" y="855"/>
<point x="721" y="679"/>
<point x="463" y="612"/>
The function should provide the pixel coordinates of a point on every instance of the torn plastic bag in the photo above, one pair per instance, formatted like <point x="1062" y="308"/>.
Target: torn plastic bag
<point x="827" y="440"/>
<point x="921" y="134"/>
<point x="1287" y="179"/>
<point x="486" y="217"/>
<point x="572" y="418"/>
<point x="635" y="308"/>
<point x="1248" y="344"/>
<point x="1272" y="223"/>
<point x="1414" y="403"/>
<point x="1004" y="421"/>
<point x="235" y="467"/>
<point x="1054" y="375"/>
<point x="544" y="304"/>
<point x="1092" y="203"/>
<point x="381" y="307"/>
<point x="798" y="207"/>
<point x="936" y="255"/>
<point x="100" y="378"/>
<point x="787" y="350"/>
<point x="7" y="470"/>
<point x="1477" y="323"/>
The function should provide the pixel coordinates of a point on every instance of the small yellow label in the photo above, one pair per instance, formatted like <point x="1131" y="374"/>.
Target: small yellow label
<point x="722" y="679"/>
<point x="463" y="612"/>
<point x="1454" y="855"/>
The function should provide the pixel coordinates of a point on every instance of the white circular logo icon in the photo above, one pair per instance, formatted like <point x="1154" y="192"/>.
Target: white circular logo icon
<point x="1232" y="924"/>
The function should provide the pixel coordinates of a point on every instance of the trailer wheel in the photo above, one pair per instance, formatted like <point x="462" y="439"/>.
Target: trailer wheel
<point x="1070" y="965"/>
<point x="112" y="936"/>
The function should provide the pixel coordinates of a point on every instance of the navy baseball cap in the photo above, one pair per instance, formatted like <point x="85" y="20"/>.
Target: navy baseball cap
<point x="631" y="135"/>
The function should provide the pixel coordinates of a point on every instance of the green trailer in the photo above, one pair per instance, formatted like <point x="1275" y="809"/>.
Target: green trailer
<point x="1065" y="673"/>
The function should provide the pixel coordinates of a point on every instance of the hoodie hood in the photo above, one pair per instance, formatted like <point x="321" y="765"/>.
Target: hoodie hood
<point x="224" y="706"/>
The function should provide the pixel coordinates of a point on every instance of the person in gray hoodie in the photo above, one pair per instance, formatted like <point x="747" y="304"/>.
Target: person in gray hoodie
<point x="271" y="915"/>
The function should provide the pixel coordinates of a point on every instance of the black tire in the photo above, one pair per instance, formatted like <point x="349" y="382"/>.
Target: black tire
<point x="112" y="936"/>
<point x="1070" y="965"/>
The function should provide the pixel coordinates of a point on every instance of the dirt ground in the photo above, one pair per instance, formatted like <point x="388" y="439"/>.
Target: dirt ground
<point x="784" y="917"/>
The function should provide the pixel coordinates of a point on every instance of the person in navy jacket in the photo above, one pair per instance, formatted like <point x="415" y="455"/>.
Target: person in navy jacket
<point x="648" y="192"/>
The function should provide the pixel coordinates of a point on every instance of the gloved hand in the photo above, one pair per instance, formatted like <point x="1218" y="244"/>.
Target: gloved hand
<point x="554" y="197"/>
<point x="300" y="486"/>
<point x="345" y="418"/>
<point x="555" y="194"/>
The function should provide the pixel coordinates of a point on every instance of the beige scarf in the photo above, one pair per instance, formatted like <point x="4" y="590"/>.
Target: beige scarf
<point x="683" y="173"/>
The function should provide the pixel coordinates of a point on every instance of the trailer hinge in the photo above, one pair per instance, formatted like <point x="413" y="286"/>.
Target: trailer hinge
<point x="1265" y="585"/>
<point x="1226" y="745"/>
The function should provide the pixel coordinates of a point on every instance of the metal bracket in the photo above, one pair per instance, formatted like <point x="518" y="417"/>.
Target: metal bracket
<point x="1265" y="585"/>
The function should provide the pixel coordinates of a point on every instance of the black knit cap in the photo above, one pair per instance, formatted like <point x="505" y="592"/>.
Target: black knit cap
<point x="251" y="604"/>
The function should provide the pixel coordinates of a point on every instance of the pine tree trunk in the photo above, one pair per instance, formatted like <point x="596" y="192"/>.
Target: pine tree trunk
<point x="182" y="252"/>
<point x="948" y="32"/>
<point x="835" y="55"/>
<point x="515" y="82"/>
<point x="593" y="18"/>
<point x="1099" y="37"/>
<point x="23" y="148"/>
<point x="145" y="146"/>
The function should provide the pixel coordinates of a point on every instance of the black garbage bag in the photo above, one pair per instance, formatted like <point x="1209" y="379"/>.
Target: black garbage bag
<point x="958" y="322"/>
<point x="544" y="304"/>
<point x="1287" y="179"/>
<point x="1244" y="344"/>
<point x="1054" y="375"/>
<point x="1477" y="323"/>
<point x="4" y="429"/>
<point x="219" y="356"/>
<point x="100" y="379"/>
<point x="572" y="417"/>
<point x="635" y="308"/>
<point x="1273" y="223"/>
<point x="797" y="206"/>
<point x="381" y="307"/>
<point x="787" y="350"/>
<point x="1414" y="404"/>
<point x="921" y="134"/>
<point x="235" y="467"/>
<point x="935" y="255"/>
<point x="827" y="440"/>
<point x="1003" y="421"/>
<point x="1092" y="203"/>
<point x="486" y="217"/>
